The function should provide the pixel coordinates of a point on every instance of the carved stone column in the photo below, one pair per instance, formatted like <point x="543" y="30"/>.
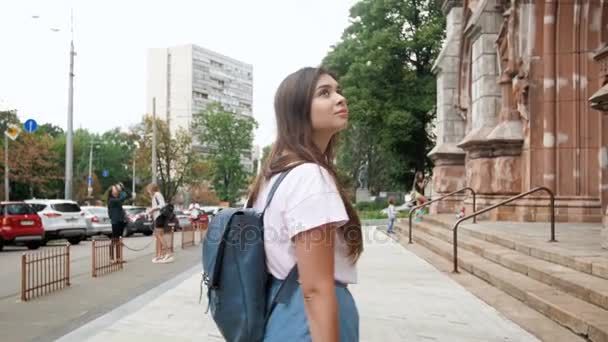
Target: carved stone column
<point x="449" y="172"/>
<point x="599" y="101"/>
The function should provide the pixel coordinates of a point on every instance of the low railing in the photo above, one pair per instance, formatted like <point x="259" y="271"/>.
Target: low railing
<point x="413" y="210"/>
<point x="188" y="234"/>
<point x="509" y="200"/>
<point x="107" y="256"/>
<point x="45" y="271"/>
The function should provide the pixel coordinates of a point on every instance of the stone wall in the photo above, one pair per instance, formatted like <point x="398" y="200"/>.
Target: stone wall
<point x="513" y="114"/>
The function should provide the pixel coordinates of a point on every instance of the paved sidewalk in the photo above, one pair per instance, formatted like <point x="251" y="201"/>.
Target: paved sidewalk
<point x="400" y="298"/>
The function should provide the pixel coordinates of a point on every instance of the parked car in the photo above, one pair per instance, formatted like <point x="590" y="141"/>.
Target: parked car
<point x="183" y="218"/>
<point x="212" y="210"/>
<point x="98" y="221"/>
<point x="138" y="221"/>
<point x="20" y="225"/>
<point x="61" y="219"/>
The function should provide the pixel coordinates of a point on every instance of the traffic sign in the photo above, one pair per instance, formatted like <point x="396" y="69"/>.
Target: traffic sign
<point x="105" y="173"/>
<point x="90" y="181"/>
<point x="30" y="125"/>
<point x="12" y="131"/>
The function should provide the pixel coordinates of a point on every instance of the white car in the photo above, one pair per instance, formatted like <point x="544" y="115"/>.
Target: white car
<point x="212" y="210"/>
<point x="61" y="219"/>
<point x="98" y="221"/>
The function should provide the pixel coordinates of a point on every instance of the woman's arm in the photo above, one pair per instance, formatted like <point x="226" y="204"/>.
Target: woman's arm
<point x="314" y="250"/>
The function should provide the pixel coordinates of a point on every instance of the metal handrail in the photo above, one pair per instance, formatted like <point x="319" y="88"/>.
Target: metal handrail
<point x="437" y="200"/>
<point x="509" y="200"/>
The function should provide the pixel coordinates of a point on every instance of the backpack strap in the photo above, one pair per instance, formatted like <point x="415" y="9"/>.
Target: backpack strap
<point x="274" y="188"/>
<point x="287" y="288"/>
<point x="290" y="283"/>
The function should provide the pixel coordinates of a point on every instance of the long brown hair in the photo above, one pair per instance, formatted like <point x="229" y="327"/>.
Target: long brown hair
<point x="295" y="146"/>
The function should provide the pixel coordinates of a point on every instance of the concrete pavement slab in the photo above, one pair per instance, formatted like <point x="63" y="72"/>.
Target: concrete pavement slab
<point x="400" y="298"/>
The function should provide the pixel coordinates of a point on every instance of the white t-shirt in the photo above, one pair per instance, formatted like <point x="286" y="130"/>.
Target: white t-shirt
<point x="307" y="198"/>
<point x="158" y="201"/>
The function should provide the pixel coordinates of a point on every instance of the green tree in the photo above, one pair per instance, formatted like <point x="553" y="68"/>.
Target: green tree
<point x="177" y="165"/>
<point x="265" y="153"/>
<point x="384" y="63"/>
<point x="227" y="138"/>
<point x="8" y="117"/>
<point x="33" y="166"/>
<point x="50" y="129"/>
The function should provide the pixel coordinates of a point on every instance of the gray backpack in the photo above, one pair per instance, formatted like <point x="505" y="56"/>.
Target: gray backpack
<point x="234" y="271"/>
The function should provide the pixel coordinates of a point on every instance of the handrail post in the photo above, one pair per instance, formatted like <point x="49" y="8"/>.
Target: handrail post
<point x="552" y="204"/>
<point x="509" y="200"/>
<point x="474" y="205"/>
<point x="410" y="232"/>
<point x="455" y="243"/>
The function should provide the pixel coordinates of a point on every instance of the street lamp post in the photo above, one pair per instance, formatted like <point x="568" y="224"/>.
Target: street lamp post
<point x="69" y="145"/>
<point x="133" y="194"/>
<point x="154" y="140"/>
<point x="90" y="179"/>
<point x="6" y="184"/>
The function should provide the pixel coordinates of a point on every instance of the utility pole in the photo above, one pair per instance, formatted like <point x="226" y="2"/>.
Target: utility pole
<point x="69" y="145"/>
<point x="154" y="140"/>
<point x="6" y="185"/>
<point x="90" y="185"/>
<point x="133" y="185"/>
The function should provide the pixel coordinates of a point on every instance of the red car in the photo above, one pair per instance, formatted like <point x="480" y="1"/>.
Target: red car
<point x="20" y="225"/>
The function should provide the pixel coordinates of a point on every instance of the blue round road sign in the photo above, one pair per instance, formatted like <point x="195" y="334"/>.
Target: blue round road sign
<point x="105" y="173"/>
<point x="30" y="125"/>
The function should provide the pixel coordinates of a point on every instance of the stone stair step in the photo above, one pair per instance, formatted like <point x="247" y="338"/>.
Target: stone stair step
<point x="591" y="289"/>
<point x="596" y="266"/>
<point x="577" y="315"/>
<point x="517" y="311"/>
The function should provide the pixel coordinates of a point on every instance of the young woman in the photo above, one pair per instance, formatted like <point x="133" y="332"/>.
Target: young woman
<point x="419" y="184"/>
<point x="116" y="197"/>
<point x="310" y="222"/>
<point x="160" y="225"/>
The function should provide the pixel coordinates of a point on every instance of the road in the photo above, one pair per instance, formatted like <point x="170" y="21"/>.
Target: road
<point x="80" y="255"/>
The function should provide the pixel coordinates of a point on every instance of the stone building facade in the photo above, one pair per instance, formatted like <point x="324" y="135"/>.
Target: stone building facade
<point x="514" y="81"/>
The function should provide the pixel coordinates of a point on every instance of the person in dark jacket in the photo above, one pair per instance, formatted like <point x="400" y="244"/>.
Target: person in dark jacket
<point x="116" y="197"/>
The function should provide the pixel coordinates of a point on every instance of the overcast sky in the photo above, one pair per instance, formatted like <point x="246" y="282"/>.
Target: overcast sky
<point x="277" y="37"/>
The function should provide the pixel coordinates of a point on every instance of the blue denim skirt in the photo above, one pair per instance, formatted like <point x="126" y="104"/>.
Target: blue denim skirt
<point x="288" y="321"/>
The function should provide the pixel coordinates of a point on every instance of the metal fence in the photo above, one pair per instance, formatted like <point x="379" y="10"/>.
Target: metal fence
<point x="188" y="234"/>
<point x="45" y="271"/>
<point x="107" y="256"/>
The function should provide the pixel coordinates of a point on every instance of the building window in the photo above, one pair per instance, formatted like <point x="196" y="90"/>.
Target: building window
<point x="216" y="63"/>
<point x="198" y="94"/>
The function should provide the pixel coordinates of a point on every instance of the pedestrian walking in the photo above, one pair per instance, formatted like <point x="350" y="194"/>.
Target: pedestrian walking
<point x="116" y="198"/>
<point x="392" y="213"/>
<point x="310" y="223"/>
<point x="161" y="224"/>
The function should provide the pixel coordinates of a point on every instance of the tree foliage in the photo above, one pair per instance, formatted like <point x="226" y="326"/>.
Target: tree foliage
<point x="176" y="163"/>
<point x="227" y="138"/>
<point x="384" y="63"/>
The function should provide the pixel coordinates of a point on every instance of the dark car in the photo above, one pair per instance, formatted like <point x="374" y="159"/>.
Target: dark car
<point x="21" y="225"/>
<point x="138" y="221"/>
